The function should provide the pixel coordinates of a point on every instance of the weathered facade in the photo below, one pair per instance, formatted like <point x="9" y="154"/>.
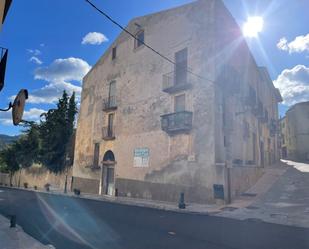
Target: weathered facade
<point x="204" y="126"/>
<point x="295" y="132"/>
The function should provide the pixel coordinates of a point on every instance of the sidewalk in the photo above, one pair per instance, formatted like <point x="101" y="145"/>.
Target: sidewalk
<point x="16" y="238"/>
<point x="283" y="197"/>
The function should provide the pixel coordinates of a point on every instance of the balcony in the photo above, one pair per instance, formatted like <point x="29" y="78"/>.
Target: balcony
<point x="178" y="122"/>
<point x="174" y="82"/>
<point x="109" y="104"/>
<point x="3" y="59"/>
<point x="108" y="133"/>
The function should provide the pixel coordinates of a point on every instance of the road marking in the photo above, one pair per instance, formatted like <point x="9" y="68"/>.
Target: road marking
<point x="1" y="191"/>
<point x="171" y="233"/>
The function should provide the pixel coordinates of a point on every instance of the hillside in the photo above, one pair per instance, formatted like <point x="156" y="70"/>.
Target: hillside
<point x="5" y="140"/>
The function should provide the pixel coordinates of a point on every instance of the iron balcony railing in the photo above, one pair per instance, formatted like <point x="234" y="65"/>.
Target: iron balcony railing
<point x="176" y="81"/>
<point x="109" y="103"/>
<point x="3" y="59"/>
<point x="108" y="133"/>
<point x="178" y="122"/>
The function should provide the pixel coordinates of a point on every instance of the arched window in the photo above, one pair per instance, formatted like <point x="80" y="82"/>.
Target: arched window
<point x="108" y="157"/>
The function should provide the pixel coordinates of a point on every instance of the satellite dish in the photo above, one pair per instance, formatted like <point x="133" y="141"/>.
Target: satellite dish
<point x="19" y="106"/>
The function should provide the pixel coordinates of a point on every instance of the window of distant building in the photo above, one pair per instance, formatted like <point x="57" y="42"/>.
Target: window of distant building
<point x="114" y="53"/>
<point x="140" y="39"/>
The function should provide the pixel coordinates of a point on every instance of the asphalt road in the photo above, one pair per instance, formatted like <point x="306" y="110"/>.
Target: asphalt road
<point x="68" y="222"/>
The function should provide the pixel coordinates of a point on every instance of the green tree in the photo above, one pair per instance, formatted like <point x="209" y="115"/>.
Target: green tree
<point x="27" y="146"/>
<point x="56" y="133"/>
<point x="9" y="161"/>
<point x="72" y="111"/>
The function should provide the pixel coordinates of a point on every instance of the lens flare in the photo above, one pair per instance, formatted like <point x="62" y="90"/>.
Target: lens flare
<point x="253" y="26"/>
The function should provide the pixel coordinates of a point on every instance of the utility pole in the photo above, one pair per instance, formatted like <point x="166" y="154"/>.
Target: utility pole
<point x="67" y="161"/>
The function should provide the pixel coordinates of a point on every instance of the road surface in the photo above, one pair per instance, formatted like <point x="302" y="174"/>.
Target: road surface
<point x="72" y="223"/>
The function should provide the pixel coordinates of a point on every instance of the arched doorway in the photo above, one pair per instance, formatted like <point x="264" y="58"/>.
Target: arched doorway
<point x="108" y="173"/>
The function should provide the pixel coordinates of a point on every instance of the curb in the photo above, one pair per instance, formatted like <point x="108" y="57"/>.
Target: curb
<point x="114" y="200"/>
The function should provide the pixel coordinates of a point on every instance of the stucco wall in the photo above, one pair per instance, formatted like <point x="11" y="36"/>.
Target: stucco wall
<point x="297" y="132"/>
<point x="38" y="176"/>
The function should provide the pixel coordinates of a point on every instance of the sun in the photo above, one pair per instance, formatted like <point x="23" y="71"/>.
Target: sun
<point x="253" y="26"/>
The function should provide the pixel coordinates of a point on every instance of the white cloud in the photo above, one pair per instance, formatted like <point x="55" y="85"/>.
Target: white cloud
<point x="52" y="92"/>
<point x="35" y="52"/>
<point x="59" y="75"/>
<point x="298" y="45"/>
<point x="283" y="44"/>
<point x="33" y="114"/>
<point x="70" y="69"/>
<point x="94" y="38"/>
<point x="294" y="84"/>
<point x="35" y="60"/>
<point x="6" y="118"/>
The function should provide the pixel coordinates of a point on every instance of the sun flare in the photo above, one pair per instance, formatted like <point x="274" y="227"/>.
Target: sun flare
<point x="253" y="26"/>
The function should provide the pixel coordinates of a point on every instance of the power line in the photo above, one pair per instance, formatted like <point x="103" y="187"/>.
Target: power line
<point x="141" y="41"/>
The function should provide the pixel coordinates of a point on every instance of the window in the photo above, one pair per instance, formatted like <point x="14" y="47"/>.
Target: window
<point x="96" y="155"/>
<point x="140" y="38"/>
<point x="180" y="103"/>
<point x="114" y="53"/>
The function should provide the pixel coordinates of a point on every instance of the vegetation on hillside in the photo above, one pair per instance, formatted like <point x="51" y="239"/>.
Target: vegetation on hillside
<point x="6" y="140"/>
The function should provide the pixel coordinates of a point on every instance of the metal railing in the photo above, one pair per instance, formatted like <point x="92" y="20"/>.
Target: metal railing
<point x="176" y="81"/>
<point x="109" y="103"/>
<point x="177" y="122"/>
<point x="108" y="133"/>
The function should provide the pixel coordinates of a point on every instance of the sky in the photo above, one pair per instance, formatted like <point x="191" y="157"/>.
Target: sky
<point x="53" y="44"/>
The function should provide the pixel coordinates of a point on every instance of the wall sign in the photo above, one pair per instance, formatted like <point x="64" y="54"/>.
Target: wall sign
<point x="141" y="157"/>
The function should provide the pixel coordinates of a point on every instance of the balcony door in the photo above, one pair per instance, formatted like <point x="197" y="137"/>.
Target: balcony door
<point x="181" y="67"/>
<point x="180" y="103"/>
<point x="110" y="125"/>
<point x="179" y="108"/>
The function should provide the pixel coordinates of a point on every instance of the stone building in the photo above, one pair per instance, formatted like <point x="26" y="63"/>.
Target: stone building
<point x="204" y="125"/>
<point x="295" y="132"/>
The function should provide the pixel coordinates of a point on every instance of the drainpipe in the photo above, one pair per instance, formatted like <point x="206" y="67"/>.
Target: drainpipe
<point x="101" y="180"/>
<point x="228" y="163"/>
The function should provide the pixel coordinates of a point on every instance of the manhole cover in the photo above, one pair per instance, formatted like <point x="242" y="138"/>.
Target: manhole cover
<point x="252" y="207"/>
<point x="279" y="216"/>
<point x="254" y="220"/>
<point x="228" y="208"/>
<point x="249" y="194"/>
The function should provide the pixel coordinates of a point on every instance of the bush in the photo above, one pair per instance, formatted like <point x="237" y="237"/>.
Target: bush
<point x="25" y="184"/>
<point x="35" y="188"/>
